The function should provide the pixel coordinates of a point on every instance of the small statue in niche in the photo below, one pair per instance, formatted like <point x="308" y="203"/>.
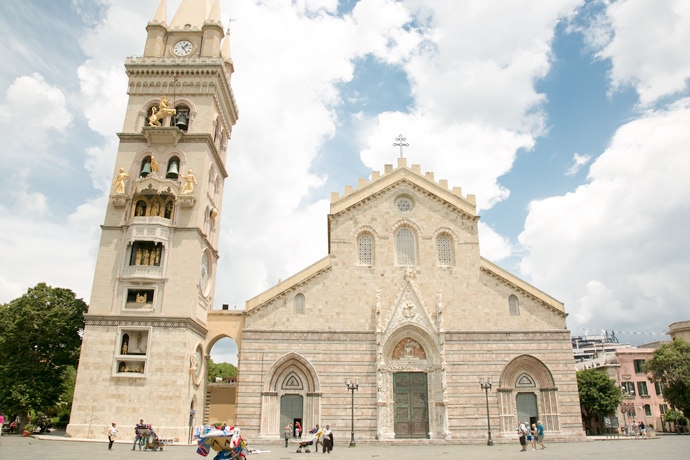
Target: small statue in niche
<point x="155" y="208"/>
<point x="120" y="181"/>
<point x="141" y="298"/>
<point x="168" y="210"/>
<point x="189" y="183"/>
<point x="124" y="349"/>
<point x="157" y="114"/>
<point x="140" y="210"/>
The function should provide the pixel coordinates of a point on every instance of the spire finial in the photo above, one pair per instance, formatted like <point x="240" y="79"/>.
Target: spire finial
<point x="400" y="144"/>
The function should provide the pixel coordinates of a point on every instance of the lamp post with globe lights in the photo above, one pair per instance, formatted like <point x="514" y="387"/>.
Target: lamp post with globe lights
<point x="486" y="386"/>
<point x="352" y="387"/>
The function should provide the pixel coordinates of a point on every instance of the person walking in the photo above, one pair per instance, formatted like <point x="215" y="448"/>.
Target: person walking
<point x="522" y="434"/>
<point x="287" y="433"/>
<point x="317" y="438"/>
<point x="540" y="434"/>
<point x="2" y="425"/>
<point x="532" y="436"/>
<point x="112" y="434"/>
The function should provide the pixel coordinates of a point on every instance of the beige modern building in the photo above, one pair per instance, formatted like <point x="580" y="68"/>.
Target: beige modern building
<point x="144" y="342"/>
<point x="680" y="329"/>
<point x="403" y="303"/>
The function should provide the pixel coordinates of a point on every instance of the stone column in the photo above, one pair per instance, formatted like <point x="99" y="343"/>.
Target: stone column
<point x="270" y="415"/>
<point x="548" y="402"/>
<point x="508" y="411"/>
<point x="312" y="410"/>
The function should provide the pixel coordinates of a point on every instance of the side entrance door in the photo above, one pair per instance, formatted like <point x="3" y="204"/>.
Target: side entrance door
<point x="411" y="405"/>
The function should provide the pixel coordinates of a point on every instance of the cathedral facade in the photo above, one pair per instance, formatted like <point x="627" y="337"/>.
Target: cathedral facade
<point x="405" y="306"/>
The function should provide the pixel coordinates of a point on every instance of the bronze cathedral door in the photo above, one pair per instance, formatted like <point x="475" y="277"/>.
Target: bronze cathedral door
<point x="411" y="407"/>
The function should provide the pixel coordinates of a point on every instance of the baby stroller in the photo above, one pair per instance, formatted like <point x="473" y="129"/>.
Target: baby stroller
<point x="150" y="439"/>
<point x="306" y="442"/>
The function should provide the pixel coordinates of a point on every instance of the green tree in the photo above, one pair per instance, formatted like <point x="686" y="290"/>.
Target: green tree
<point x="599" y="394"/>
<point x="222" y="370"/>
<point x="39" y="338"/>
<point x="670" y="367"/>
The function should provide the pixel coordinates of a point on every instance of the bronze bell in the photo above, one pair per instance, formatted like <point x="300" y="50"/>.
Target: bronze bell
<point x="182" y="120"/>
<point x="146" y="170"/>
<point x="172" y="171"/>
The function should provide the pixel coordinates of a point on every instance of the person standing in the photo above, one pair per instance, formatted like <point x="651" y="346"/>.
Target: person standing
<point x="522" y="434"/>
<point x="327" y="440"/>
<point x="298" y="428"/>
<point x="2" y="424"/>
<point x="137" y="436"/>
<point x="540" y="434"/>
<point x="112" y="434"/>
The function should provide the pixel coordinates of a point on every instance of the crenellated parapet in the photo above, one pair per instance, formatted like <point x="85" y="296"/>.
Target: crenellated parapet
<point x="412" y="177"/>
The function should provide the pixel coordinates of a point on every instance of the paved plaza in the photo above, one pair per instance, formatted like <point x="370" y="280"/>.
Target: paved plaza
<point x="55" y="447"/>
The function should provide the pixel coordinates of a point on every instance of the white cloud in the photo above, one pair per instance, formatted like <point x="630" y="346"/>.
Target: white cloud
<point x="33" y="111"/>
<point x="492" y="245"/>
<point x="61" y="254"/>
<point x="616" y="248"/>
<point x="578" y="162"/>
<point x="647" y="44"/>
<point x="475" y="101"/>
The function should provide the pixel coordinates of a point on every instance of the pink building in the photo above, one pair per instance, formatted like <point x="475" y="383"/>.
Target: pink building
<point x="642" y="400"/>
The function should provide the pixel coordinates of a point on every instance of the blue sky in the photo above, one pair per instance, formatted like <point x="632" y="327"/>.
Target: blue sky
<point x="567" y="119"/>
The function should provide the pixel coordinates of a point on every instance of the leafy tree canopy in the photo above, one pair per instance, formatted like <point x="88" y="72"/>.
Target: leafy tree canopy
<point x="222" y="370"/>
<point x="39" y="339"/>
<point x="599" y="393"/>
<point x="670" y="367"/>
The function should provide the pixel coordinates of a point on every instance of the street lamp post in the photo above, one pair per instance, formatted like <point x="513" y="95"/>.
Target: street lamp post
<point x="352" y="387"/>
<point x="627" y="406"/>
<point x="486" y="386"/>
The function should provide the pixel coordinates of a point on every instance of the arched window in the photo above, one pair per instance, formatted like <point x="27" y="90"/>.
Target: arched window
<point x="405" y="247"/>
<point x="365" y="249"/>
<point x="146" y="253"/>
<point x="299" y="304"/>
<point x="444" y="249"/>
<point x="513" y="305"/>
<point x="139" y="209"/>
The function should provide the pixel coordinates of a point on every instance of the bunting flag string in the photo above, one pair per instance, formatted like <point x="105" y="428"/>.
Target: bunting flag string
<point x="602" y="331"/>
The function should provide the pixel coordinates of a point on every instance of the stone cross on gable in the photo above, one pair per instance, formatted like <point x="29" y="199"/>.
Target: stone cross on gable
<point x="400" y="144"/>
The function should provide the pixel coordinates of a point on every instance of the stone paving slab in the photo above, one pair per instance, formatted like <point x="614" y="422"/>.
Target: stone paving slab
<point x="668" y="447"/>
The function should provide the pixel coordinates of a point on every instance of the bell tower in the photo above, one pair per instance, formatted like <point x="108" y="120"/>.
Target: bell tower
<point x="143" y="350"/>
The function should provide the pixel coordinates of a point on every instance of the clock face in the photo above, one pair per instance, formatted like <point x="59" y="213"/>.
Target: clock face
<point x="204" y="272"/>
<point x="183" y="48"/>
<point x="197" y="355"/>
